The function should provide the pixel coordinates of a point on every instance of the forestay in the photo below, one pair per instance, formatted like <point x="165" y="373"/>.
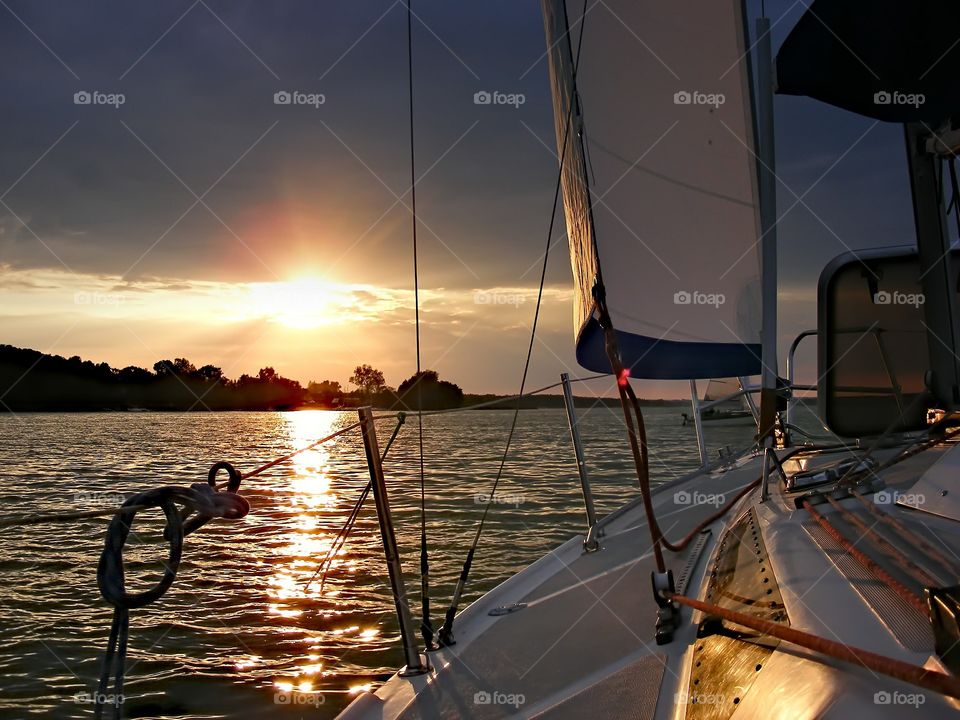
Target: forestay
<point x="660" y="182"/>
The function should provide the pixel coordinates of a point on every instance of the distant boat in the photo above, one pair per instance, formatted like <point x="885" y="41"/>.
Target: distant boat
<point x="734" y="409"/>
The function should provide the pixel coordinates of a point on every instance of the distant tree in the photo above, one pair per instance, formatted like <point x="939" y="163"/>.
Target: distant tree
<point x="328" y="392"/>
<point x="210" y="373"/>
<point x="134" y="374"/>
<point x="163" y="367"/>
<point x="326" y="386"/>
<point x="424" y="377"/>
<point x="182" y="366"/>
<point x="267" y="374"/>
<point x="425" y="390"/>
<point x="368" y="380"/>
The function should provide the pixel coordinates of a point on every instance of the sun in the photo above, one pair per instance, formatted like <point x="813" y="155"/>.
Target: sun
<point x="302" y="303"/>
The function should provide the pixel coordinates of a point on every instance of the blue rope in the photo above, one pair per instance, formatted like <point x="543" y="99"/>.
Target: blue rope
<point x="201" y="503"/>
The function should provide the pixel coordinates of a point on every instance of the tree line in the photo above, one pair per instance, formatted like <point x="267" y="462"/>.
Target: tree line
<point x="31" y="380"/>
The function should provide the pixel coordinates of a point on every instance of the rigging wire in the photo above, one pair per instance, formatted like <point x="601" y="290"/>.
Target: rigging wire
<point x="445" y="634"/>
<point x="347" y="528"/>
<point x="426" y="628"/>
<point x="504" y="399"/>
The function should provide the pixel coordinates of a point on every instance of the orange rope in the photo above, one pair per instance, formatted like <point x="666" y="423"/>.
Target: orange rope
<point x="913" y="674"/>
<point x="899" y="588"/>
<point x="906" y="533"/>
<point x="886" y="547"/>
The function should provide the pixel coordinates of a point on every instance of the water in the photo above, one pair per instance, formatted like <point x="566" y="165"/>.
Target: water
<point x="238" y="634"/>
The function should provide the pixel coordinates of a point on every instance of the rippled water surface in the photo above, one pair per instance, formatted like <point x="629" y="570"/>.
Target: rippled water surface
<point x="239" y="634"/>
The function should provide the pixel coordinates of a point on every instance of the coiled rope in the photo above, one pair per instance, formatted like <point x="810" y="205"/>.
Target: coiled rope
<point x="201" y="502"/>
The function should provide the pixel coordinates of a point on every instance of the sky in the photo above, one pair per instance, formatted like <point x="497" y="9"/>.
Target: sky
<point x="199" y="218"/>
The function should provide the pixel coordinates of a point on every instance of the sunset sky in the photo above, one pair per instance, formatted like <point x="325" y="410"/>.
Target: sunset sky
<point x="201" y="219"/>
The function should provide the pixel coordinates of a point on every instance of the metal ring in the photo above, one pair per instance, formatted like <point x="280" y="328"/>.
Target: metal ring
<point x="233" y="479"/>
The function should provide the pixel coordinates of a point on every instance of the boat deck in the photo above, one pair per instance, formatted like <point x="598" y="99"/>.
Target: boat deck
<point x="573" y="634"/>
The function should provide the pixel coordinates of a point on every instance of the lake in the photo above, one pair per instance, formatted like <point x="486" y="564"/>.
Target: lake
<point x="239" y="630"/>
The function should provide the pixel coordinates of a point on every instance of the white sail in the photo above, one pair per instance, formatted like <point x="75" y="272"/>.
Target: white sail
<point x="721" y="388"/>
<point x="660" y="182"/>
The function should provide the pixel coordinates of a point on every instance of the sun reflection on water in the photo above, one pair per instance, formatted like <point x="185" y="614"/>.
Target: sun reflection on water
<point x="315" y="513"/>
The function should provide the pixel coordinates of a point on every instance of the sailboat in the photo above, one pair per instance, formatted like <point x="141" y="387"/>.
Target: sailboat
<point x="723" y="400"/>
<point x="797" y="579"/>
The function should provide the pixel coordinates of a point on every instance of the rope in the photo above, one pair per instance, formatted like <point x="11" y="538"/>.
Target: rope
<point x="638" y="445"/>
<point x="426" y="628"/>
<point x="288" y="456"/>
<point x="906" y="534"/>
<point x="887" y="548"/>
<point x="914" y="674"/>
<point x="445" y="635"/>
<point x="882" y="575"/>
<point x="201" y="503"/>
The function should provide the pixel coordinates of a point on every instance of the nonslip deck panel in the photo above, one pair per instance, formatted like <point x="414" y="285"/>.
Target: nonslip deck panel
<point x="630" y="693"/>
<point x="909" y="628"/>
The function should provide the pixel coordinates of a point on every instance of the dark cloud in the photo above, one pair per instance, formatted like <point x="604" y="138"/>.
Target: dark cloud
<point x="287" y="188"/>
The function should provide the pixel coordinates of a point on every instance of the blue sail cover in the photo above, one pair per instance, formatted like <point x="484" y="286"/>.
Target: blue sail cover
<point x="893" y="60"/>
<point x="659" y="182"/>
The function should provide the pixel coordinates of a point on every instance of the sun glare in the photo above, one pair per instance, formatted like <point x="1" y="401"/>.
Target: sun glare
<point x="303" y="303"/>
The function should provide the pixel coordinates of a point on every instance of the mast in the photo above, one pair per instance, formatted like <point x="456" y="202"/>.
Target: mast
<point x="768" y="228"/>
<point x="937" y="278"/>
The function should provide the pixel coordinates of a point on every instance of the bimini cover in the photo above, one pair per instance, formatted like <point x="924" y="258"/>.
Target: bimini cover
<point x="894" y="60"/>
<point x="659" y="182"/>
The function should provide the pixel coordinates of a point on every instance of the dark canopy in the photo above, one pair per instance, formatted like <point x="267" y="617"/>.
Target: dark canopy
<point x="893" y="60"/>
